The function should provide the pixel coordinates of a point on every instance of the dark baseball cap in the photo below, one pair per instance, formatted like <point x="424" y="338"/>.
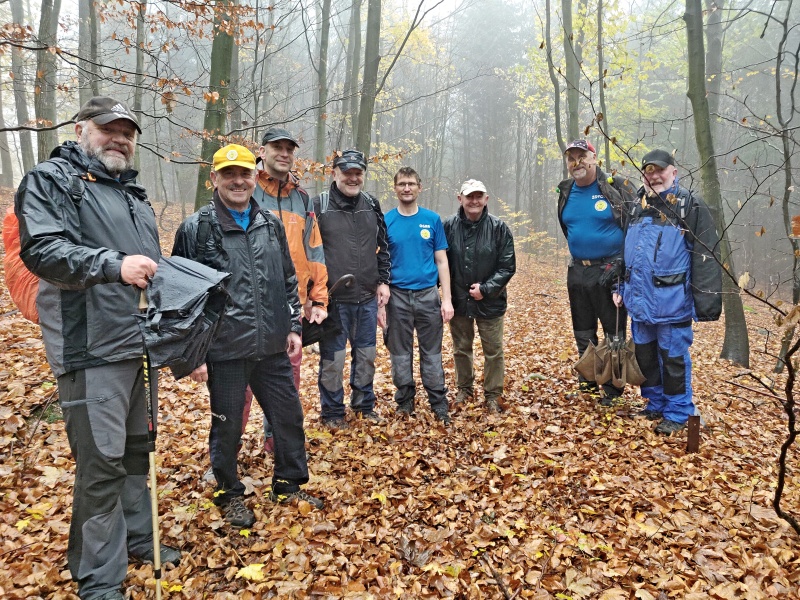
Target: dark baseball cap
<point x="350" y="159"/>
<point x="274" y="134"/>
<point x="660" y="158"/>
<point x="104" y="109"/>
<point x="581" y="145"/>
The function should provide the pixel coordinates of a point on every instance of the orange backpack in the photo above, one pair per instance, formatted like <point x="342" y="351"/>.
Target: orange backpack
<point x="21" y="283"/>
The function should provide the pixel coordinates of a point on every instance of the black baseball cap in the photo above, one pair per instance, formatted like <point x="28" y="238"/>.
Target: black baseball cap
<point x="581" y="145"/>
<point x="660" y="158"/>
<point x="104" y="109"/>
<point x="350" y="159"/>
<point x="274" y="134"/>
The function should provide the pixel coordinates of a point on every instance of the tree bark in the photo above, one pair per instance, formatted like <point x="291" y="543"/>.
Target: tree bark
<point x="7" y="176"/>
<point x="20" y="95"/>
<point x="216" y="105"/>
<point x="556" y="87"/>
<point x="736" y="346"/>
<point x="601" y="81"/>
<point x="785" y="117"/>
<point x="44" y="103"/>
<point x="572" y="70"/>
<point x="88" y="82"/>
<point x="350" y="107"/>
<point x="138" y="89"/>
<point x="372" y="61"/>
<point x="322" y="86"/>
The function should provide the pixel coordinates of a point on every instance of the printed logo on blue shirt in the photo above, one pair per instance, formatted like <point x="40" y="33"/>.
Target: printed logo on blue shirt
<point x="425" y="234"/>
<point x="601" y="205"/>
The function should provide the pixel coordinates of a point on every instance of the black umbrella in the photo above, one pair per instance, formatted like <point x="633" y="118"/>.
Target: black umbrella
<point x="185" y="302"/>
<point x="314" y="332"/>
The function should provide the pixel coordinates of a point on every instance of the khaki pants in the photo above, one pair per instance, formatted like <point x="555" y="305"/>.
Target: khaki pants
<point x="491" y="333"/>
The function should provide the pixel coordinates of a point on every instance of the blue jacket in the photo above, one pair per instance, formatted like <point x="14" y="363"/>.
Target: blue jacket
<point x="673" y="272"/>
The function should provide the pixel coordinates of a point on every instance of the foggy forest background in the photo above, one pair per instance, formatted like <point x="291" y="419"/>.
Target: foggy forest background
<point x="458" y="89"/>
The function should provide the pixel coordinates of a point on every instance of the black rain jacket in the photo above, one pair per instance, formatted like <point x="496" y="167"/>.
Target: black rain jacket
<point x="490" y="261"/>
<point x="355" y="241"/>
<point x="263" y="284"/>
<point x="86" y="313"/>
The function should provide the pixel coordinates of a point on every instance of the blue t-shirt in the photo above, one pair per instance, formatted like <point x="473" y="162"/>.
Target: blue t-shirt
<point x="412" y="242"/>
<point x="592" y="230"/>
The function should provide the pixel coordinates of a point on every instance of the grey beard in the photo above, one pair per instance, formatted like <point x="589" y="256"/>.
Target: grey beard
<point x="115" y="166"/>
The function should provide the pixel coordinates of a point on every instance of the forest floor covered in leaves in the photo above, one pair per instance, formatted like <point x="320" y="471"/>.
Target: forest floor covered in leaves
<point x="552" y="498"/>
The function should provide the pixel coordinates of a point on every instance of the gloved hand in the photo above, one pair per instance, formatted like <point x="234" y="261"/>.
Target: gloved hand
<point x="612" y="271"/>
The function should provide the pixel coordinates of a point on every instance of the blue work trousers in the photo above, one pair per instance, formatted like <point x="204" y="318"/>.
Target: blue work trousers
<point x="662" y="352"/>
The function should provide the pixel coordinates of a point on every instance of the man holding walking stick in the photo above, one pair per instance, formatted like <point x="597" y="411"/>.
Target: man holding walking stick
<point x="88" y="231"/>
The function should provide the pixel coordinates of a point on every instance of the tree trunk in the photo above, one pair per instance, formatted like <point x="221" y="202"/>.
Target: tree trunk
<point x="20" y="96"/>
<point x="7" y="176"/>
<point x="572" y="71"/>
<point x="138" y="89"/>
<point x="217" y="103"/>
<point x="87" y="75"/>
<point x="786" y="147"/>
<point x="556" y="88"/>
<point x="372" y="59"/>
<point x="322" y="87"/>
<point x="234" y="95"/>
<point x="736" y="346"/>
<point x="601" y="81"/>
<point x="350" y="107"/>
<point x="44" y="103"/>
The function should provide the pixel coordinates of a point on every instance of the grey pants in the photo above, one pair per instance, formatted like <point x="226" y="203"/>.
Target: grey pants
<point x="106" y="422"/>
<point x="421" y="310"/>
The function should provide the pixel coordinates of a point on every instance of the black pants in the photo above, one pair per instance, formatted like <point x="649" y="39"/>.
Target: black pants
<point x="589" y="302"/>
<point x="273" y="387"/>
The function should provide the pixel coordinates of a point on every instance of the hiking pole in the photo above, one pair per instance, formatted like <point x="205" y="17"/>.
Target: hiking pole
<point x="151" y="450"/>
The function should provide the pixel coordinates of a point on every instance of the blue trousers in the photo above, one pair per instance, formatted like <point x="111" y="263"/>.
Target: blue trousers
<point x="662" y="352"/>
<point x="359" y="323"/>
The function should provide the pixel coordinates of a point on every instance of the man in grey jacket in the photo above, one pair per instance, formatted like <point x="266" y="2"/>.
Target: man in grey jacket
<point x="258" y="334"/>
<point x="88" y="231"/>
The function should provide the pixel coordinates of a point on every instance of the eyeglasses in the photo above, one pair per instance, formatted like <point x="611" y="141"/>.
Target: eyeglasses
<point x="406" y="184"/>
<point x="576" y="160"/>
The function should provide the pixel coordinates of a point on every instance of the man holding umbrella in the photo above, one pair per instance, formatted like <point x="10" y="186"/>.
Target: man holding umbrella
<point x="88" y="231"/>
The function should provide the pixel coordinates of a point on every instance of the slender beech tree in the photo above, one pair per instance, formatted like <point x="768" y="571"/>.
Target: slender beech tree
<point x="88" y="81"/>
<point x="372" y="59"/>
<point x="20" y="92"/>
<point x="7" y="176"/>
<point x="572" y="70"/>
<point x="353" y="68"/>
<point x="44" y="102"/>
<point x="736" y="346"/>
<point x="786" y="115"/>
<point x="601" y="82"/>
<point x="322" y="86"/>
<point x="138" y="90"/>
<point x="217" y="101"/>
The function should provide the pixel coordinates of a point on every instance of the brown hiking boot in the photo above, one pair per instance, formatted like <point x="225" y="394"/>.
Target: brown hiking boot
<point x="464" y="394"/>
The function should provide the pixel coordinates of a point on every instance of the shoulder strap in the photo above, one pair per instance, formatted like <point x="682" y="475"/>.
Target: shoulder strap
<point x="324" y="198"/>
<point x="205" y="228"/>
<point x="76" y="189"/>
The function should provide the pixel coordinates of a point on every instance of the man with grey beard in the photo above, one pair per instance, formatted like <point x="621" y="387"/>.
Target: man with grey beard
<point x="88" y="231"/>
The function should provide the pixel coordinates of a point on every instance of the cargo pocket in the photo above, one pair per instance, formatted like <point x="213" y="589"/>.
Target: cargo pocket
<point x="670" y="293"/>
<point x="106" y="416"/>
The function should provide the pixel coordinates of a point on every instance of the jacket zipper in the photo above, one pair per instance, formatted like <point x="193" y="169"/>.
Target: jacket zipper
<point x="658" y="245"/>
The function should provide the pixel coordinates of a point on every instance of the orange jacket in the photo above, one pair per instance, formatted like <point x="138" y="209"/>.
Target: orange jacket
<point x="290" y="203"/>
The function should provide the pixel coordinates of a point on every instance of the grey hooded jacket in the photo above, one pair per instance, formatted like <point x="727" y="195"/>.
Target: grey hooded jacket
<point x="87" y="314"/>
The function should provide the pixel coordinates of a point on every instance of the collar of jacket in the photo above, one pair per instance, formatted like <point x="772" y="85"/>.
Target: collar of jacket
<point x="341" y="198"/>
<point x="273" y="186"/>
<point x="463" y="216"/>
<point x="224" y="216"/>
<point x="73" y="152"/>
